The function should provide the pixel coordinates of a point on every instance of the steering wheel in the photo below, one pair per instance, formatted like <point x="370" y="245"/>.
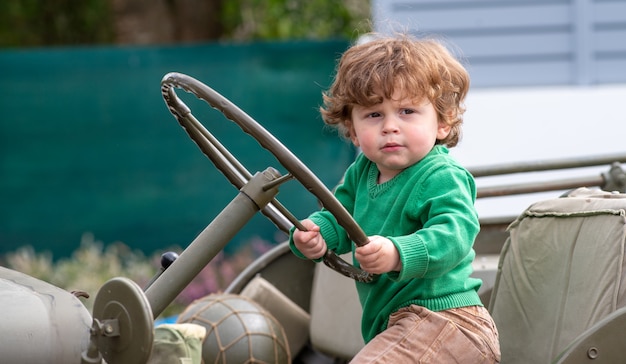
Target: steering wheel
<point x="238" y="175"/>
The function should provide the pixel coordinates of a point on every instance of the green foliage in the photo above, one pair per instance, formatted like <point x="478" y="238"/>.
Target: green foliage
<point x="25" y="23"/>
<point x="292" y="19"/>
<point x="91" y="265"/>
<point x="55" y="22"/>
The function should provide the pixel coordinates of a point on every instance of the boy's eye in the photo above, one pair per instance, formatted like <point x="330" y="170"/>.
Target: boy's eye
<point x="373" y="114"/>
<point x="407" y="111"/>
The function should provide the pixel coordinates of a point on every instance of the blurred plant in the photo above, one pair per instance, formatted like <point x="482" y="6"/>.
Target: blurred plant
<point x="93" y="263"/>
<point x="222" y="270"/>
<point x="35" y="22"/>
<point x="292" y="19"/>
<point x="26" y="23"/>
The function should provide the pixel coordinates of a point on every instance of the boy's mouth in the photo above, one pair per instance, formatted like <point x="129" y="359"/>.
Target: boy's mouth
<point x="391" y="147"/>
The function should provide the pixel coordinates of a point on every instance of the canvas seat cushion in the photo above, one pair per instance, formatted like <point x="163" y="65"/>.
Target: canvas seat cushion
<point x="561" y="270"/>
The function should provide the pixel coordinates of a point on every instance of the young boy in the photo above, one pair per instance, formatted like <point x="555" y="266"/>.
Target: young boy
<point x="400" y="100"/>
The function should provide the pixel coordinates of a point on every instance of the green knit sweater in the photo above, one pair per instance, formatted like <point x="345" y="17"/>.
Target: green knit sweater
<point x="428" y="212"/>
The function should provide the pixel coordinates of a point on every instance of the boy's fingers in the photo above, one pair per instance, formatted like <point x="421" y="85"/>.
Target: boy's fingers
<point x="308" y="225"/>
<point x="368" y="248"/>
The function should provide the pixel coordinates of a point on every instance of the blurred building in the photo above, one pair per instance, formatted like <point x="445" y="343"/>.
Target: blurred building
<point x="548" y="77"/>
<point x="522" y="43"/>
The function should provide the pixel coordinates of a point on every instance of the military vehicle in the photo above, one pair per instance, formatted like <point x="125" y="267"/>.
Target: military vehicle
<point x="552" y="275"/>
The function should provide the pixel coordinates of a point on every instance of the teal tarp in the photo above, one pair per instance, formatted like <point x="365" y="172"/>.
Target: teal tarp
<point x="87" y="144"/>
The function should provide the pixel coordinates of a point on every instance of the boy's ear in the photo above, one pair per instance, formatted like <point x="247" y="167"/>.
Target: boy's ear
<point x="443" y="130"/>
<point x="354" y="140"/>
<point x="352" y="134"/>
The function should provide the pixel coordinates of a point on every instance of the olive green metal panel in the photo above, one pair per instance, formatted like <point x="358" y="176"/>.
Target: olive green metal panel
<point x="40" y="322"/>
<point x="87" y="144"/>
<point x="604" y="342"/>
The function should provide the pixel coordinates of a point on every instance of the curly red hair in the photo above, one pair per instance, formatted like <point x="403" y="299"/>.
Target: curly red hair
<point x="371" y="71"/>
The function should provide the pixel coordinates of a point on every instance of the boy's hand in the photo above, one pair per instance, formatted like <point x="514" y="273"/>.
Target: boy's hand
<point x="310" y="243"/>
<point x="378" y="256"/>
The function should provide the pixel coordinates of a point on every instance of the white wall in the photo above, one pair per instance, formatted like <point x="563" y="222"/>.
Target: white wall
<point x="529" y="124"/>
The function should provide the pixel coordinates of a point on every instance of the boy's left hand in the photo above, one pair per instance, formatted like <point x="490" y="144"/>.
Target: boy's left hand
<point x="378" y="256"/>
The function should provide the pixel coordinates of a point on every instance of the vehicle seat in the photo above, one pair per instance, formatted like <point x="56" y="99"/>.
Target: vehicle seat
<point x="336" y="311"/>
<point x="559" y="290"/>
<point x="335" y="328"/>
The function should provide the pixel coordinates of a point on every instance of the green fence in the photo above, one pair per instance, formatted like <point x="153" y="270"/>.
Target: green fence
<point x="87" y="144"/>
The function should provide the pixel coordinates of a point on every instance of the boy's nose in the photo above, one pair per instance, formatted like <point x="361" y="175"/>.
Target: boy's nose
<point x="390" y="125"/>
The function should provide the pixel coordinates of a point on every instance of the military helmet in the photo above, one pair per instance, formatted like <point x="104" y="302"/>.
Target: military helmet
<point x="238" y="330"/>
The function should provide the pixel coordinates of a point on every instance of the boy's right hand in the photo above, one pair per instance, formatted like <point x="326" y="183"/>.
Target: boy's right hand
<point x="310" y="243"/>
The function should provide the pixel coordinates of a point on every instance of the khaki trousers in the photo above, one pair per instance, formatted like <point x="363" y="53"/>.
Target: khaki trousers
<point x="418" y="335"/>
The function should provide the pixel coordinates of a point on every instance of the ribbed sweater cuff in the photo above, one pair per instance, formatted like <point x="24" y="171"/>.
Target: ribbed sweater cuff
<point x="414" y="256"/>
<point x="328" y="231"/>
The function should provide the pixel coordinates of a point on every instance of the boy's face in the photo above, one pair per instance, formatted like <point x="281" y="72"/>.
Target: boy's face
<point x="396" y="133"/>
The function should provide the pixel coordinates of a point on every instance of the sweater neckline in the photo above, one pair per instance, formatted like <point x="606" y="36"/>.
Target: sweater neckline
<point x="376" y="189"/>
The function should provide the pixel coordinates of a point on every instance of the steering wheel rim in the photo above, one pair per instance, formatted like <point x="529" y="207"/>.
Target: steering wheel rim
<point x="236" y="173"/>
